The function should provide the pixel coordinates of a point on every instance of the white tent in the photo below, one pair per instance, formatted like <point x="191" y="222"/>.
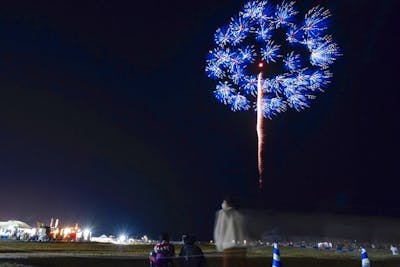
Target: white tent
<point x="13" y="224"/>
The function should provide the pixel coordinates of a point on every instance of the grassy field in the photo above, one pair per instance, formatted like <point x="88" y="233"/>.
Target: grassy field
<point x="13" y="254"/>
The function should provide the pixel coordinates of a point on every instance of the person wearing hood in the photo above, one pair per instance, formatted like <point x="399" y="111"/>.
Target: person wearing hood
<point x="230" y="235"/>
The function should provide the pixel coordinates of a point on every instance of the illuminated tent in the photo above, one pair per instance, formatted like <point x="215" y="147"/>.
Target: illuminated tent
<point x="12" y="224"/>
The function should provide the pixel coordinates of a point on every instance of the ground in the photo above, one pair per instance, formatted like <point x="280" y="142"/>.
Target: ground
<point x="21" y="254"/>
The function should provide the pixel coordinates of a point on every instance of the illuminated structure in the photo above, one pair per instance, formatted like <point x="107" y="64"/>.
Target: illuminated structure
<point x="13" y="228"/>
<point x="18" y="230"/>
<point x="296" y="55"/>
<point x="68" y="233"/>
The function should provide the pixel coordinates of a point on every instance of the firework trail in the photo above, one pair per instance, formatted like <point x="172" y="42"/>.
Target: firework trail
<point x="260" y="129"/>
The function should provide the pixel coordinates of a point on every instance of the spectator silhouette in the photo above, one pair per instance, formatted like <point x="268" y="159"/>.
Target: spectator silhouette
<point x="191" y="255"/>
<point x="163" y="253"/>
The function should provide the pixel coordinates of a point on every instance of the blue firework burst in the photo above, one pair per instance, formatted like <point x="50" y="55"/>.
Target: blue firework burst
<point x="239" y="28"/>
<point x="224" y="92"/>
<point x="239" y="102"/>
<point x="273" y="106"/>
<point x="284" y="14"/>
<point x="303" y="59"/>
<point x="247" y="54"/>
<point x="253" y="10"/>
<point x="315" y="22"/>
<point x="222" y="36"/>
<point x="292" y="61"/>
<point x="263" y="32"/>
<point x="250" y="85"/>
<point x="294" y="35"/>
<point x="270" y="52"/>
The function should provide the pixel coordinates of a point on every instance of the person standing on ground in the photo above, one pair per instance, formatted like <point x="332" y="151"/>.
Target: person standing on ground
<point x="230" y="235"/>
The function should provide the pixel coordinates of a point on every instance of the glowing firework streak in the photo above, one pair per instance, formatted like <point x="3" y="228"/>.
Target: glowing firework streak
<point x="302" y="64"/>
<point x="260" y="128"/>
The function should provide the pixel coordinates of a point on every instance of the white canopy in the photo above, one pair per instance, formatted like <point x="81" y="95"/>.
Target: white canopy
<point x="14" y="224"/>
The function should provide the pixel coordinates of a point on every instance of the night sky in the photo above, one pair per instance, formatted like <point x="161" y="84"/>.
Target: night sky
<point x="108" y="119"/>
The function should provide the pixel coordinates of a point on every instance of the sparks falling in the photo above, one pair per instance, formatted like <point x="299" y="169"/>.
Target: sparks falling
<point x="303" y="59"/>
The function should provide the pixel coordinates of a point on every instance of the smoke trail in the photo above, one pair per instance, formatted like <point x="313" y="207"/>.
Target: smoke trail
<point x="260" y="130"/>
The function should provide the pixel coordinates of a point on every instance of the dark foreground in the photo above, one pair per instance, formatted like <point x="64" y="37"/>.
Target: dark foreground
<point x="29" y="254"/>
<point x="212" y="261"/>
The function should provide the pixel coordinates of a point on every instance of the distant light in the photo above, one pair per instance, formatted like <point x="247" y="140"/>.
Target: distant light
<point x="122" y="238"/>
<point x="67" y="231"/>
<point x="86" y="234"/>
<point x="261" y="65"/>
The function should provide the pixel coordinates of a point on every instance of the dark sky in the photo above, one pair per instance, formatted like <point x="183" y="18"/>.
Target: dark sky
<point x="108" y="119"/>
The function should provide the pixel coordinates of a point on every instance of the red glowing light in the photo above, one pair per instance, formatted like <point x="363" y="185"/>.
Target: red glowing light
<point x="261" y="65"/>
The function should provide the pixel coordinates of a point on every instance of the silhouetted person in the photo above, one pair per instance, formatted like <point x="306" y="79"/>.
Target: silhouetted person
<point x="163" y="253"/>
<point x="191" y="255"/>
<point x="394" y="250"/>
